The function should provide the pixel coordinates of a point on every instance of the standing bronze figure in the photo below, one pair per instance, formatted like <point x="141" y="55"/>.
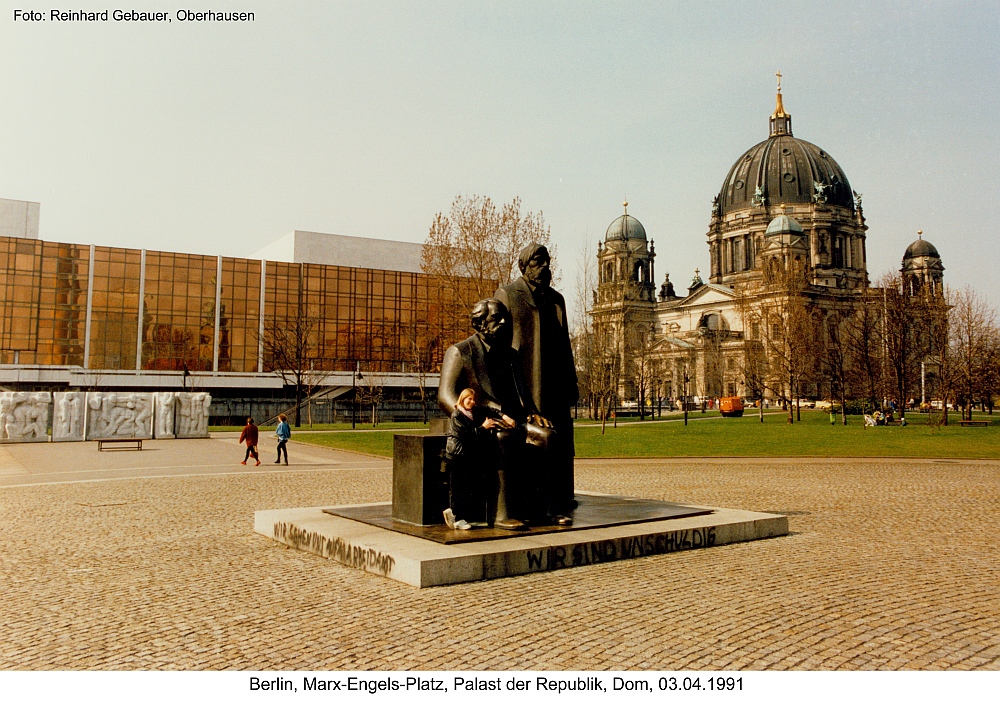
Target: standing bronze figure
<point x="486" y="363"/>
<point x="541" y="339"/>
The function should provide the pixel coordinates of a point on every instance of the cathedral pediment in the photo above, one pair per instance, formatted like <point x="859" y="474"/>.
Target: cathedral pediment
<point x="708" y="294"/>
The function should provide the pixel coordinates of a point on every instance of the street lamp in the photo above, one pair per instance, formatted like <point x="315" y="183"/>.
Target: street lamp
<point x="685" y="400"/>
<point x="355" y="376"/>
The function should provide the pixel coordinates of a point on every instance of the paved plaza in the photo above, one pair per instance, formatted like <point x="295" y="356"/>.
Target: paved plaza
<point x="148" y="560"/>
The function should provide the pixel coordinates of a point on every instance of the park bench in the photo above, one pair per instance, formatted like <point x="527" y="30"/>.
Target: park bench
<point x="978" y="424"/>
<point x="136" y="443"/>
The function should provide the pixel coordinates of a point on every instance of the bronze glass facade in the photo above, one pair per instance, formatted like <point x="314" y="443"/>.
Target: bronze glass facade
<point x="203" y="313"/>
<point x="239" y="315"/>
<point x="43" y="299"/>
<point x="114" y="309"/>
<point x="178" y="316"/>
<point x="387" y="320"/>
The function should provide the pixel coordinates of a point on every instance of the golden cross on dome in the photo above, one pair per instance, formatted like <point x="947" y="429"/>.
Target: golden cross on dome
<point x="778" y="73"/>
<point x="920" y="234"/>
<point x="625" y="205"/>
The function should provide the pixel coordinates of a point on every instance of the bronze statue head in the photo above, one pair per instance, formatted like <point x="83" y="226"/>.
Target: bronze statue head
<point x="534" y="263"/>
<point x="492" y="321"/>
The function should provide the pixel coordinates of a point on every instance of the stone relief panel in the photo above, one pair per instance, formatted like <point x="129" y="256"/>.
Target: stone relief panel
<point x="192" y="414"/>
<point x="24" y="416"/>
<point x="166" y="412"/>
<point x="119" y="415"/>
<point x="68" y="414"/>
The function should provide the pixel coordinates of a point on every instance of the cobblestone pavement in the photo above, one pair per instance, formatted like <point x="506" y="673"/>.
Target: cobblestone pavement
<point x="152" y="563"/>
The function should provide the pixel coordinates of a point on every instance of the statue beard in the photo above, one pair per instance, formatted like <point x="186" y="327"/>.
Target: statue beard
<point x="543" y="278"/>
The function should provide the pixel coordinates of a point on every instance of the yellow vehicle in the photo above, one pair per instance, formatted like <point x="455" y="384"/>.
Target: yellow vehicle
<point x="731" y="406"/>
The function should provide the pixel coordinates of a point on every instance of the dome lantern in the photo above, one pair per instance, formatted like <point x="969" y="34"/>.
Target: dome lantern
<point x="781" y="121"/>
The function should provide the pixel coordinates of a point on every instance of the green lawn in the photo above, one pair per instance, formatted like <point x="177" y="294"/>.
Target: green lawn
<point x="746" y="437"/>
<point x="384" y="426"/>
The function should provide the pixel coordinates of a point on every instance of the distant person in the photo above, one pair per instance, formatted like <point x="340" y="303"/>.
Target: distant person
<point x="284" y="433"/>
<point x="250" y="435"/>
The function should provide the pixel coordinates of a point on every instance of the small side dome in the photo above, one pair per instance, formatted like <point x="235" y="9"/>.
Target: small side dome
<point x="625" y="227"/>
<point x="783" y="224"/>
<point x="919" y="249"/>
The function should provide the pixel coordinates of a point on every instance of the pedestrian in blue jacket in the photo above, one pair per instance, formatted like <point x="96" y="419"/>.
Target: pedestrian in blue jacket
<point x="284" y="433"/>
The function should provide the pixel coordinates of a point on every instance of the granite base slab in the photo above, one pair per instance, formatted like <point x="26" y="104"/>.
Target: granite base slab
<point x="424" y="563"/>
<point x="592" y="511"/>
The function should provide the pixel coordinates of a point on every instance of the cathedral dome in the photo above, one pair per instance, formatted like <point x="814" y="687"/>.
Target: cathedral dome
<point x="784" y="170"/>
<point x="783" y="224"/>
<point x="920" y="248"/>
<point x="787" y="171"/>
<point x="625" y="227"/>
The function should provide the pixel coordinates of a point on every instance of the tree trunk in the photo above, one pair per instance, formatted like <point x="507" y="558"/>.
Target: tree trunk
<point x="604" y="416"/>
<point x="298" y="403"/>
<point x="791" y="408"/>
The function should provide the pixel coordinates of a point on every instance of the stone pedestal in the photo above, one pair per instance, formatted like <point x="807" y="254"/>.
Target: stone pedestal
<point x="425" y="563"/>
<point x="419" y="494"/>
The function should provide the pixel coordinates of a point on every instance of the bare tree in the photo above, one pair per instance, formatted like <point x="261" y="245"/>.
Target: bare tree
<point x="582" y="337"/>
<point x="474" y="249"/>
<point x="640" y="342"/>
<point x="606" y="368"/>
<point x="971" y="331"/>
<point x="863" y="348"/>
<point x="899" y="333"/>
<point x="991" y="369"/>
<point x="422" y="351"/>
<point x="291" y="351"/>
<point x="782" y="316"/>
<point x="371" y="391"/>
<point x="753" y="359"/>
<point x="833" y="358"/>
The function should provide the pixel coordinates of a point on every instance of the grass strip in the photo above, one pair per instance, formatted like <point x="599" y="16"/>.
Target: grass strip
<point x="814" y="436"/>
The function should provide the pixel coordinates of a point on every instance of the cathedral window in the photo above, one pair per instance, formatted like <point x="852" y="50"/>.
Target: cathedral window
<point x="838" y="252"/>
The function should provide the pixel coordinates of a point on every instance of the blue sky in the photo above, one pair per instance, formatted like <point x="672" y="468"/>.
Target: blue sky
<point x="366" y="119"/>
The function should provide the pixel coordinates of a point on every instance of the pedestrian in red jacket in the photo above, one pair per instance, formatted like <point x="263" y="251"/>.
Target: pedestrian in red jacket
<point x="250" y="436"/>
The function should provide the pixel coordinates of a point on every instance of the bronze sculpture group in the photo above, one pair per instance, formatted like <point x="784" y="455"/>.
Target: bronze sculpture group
<point x="509" y="389"/>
